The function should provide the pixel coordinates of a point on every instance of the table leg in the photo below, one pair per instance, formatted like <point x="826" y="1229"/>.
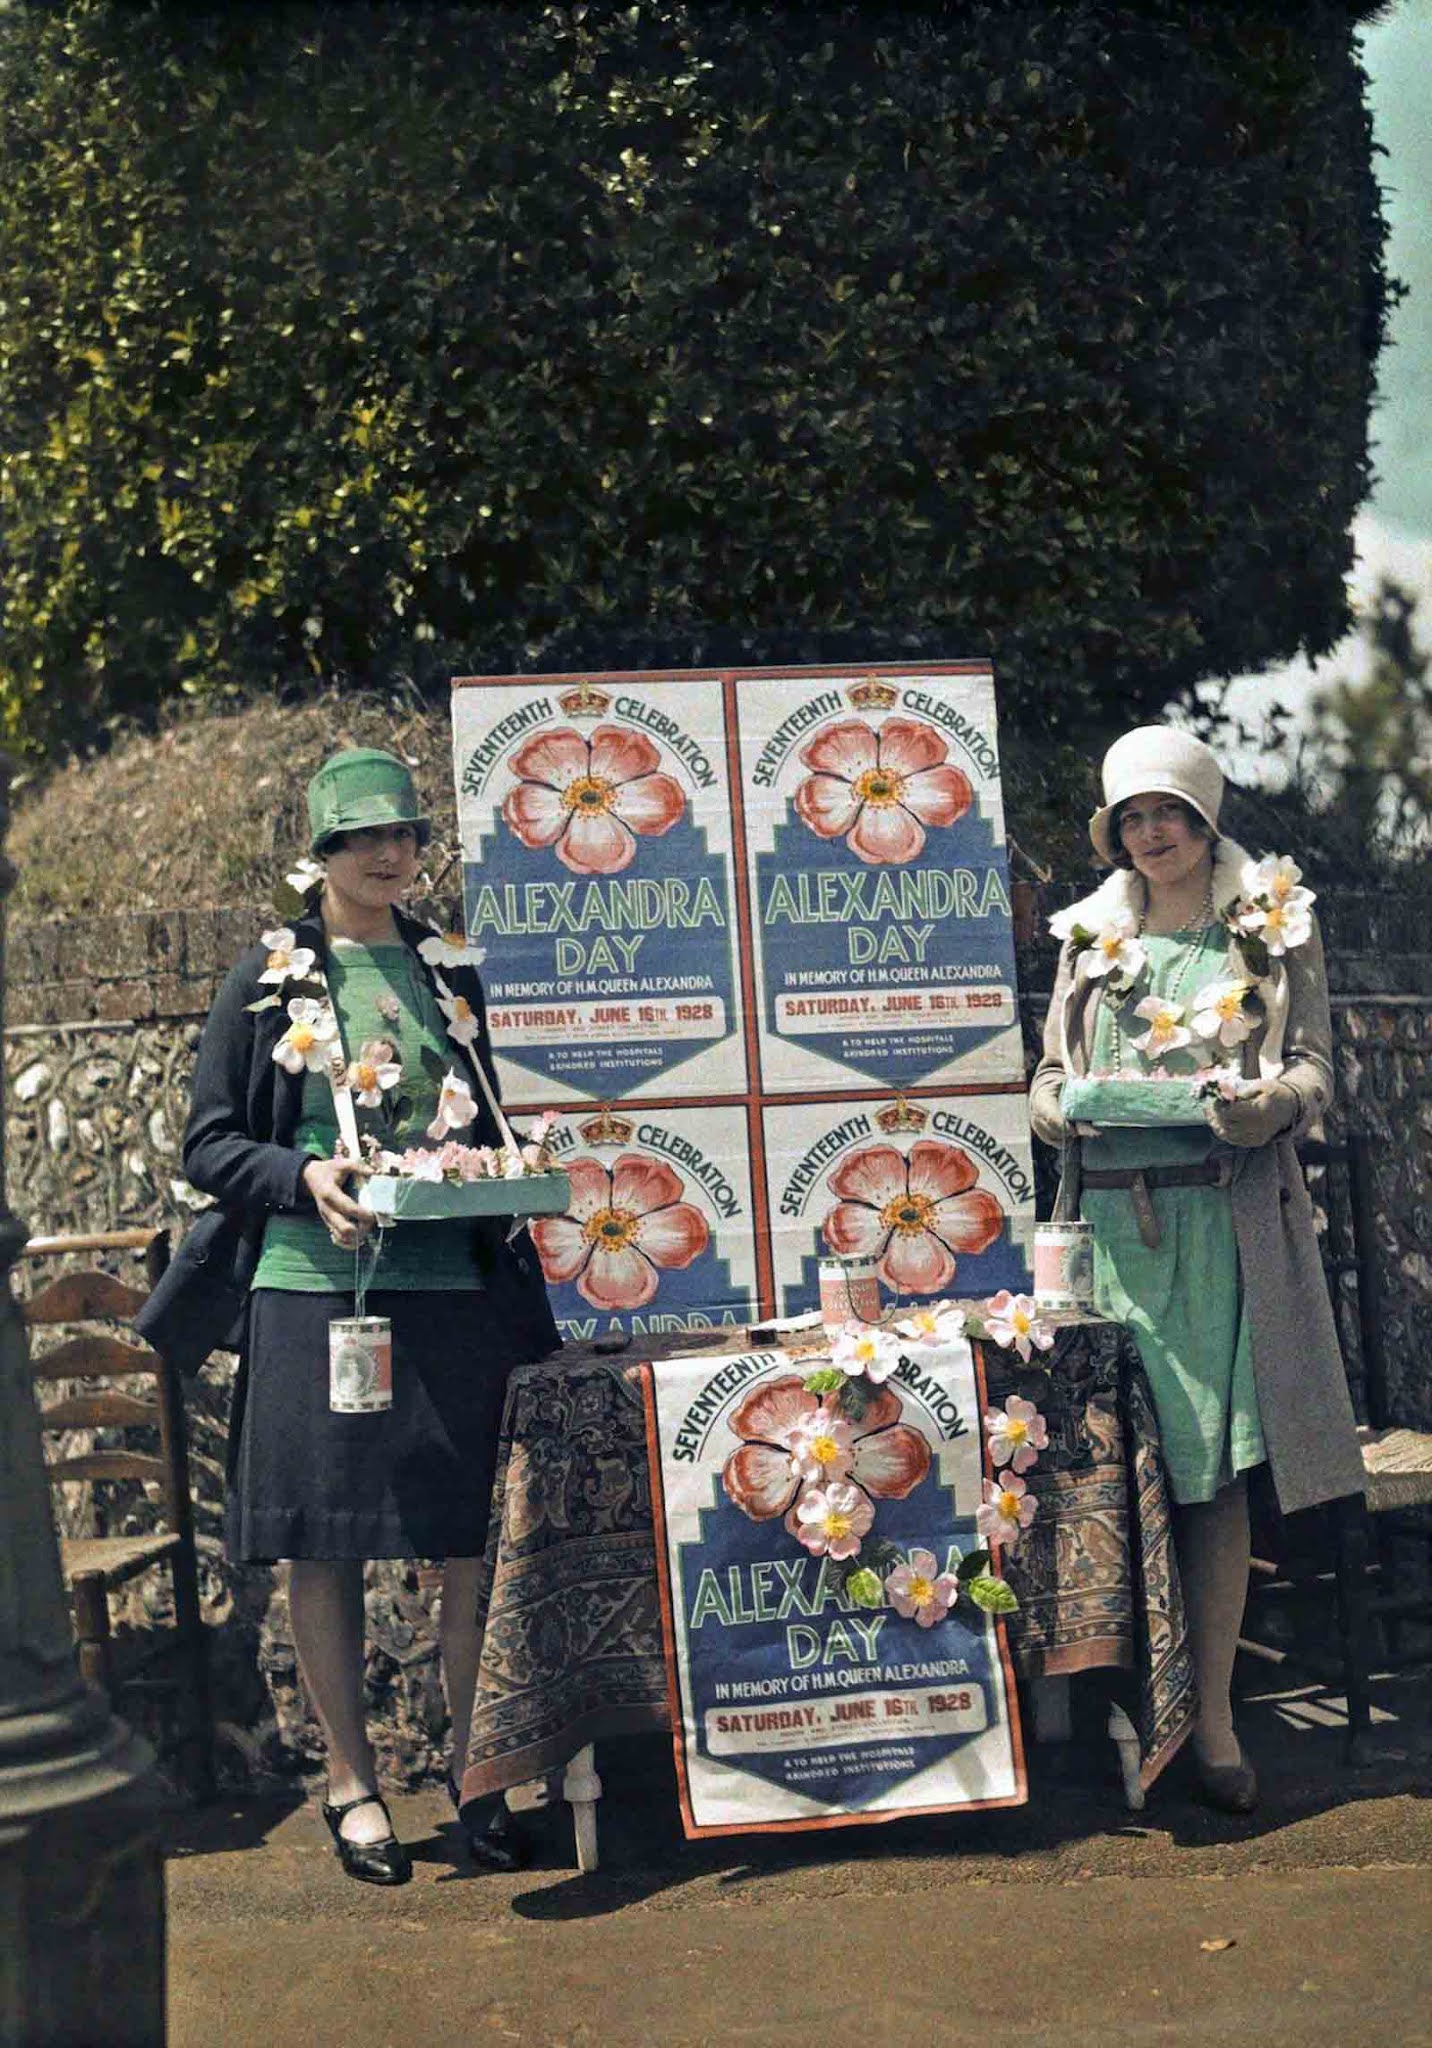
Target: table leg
<point x="1124" y="1735"/>
<point x="582" y="1788"/>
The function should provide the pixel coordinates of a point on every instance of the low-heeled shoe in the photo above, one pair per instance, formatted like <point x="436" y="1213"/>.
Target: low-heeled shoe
<point x="496" y="1843"/>
<point x="383" y="1862"/>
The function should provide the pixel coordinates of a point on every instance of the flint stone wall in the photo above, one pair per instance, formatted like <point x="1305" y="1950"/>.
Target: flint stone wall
<point x="103" y="1020"/>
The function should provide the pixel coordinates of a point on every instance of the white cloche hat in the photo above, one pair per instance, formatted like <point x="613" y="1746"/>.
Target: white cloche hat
<point x="1156" y="760"/>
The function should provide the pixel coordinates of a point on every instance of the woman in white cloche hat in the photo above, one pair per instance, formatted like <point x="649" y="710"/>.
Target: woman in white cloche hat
<point x="1188" y="1045"/>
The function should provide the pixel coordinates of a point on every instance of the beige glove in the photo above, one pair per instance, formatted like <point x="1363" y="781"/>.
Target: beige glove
<point x="1256" y="1118"/>
<point x="1046" y="1119"/>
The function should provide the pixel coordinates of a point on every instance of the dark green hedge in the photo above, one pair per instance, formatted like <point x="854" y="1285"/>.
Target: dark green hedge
<point x="372" y="340"/>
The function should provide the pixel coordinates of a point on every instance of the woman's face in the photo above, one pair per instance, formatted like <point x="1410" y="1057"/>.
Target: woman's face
<point x="1161" y="838"/>
<point x="373" y="865"/>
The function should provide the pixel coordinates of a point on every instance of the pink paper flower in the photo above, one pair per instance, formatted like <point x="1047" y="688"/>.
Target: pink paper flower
<point x="627" y="1223"/>
<point x="920" y="1591"/>
<point x="1008" y="1510"/>
<point x="588" y="797"/>
<point x="1167" y="1030"/>
<point x="938" y="1323"/>
<point x="287" y="961"/>
<point x="372" y="1073"/>
<point x="1013" y="1320"/>
<point x="912" y="1213"/>
<point x="821" y="1447"/>
<point x="1017" y="1434"/>
<point x="311" y="1038"/>
<point x="887" y="1459"/>
<point x="879" y="789"/>
<point x="830" y="1520"/>
<point x="462" y="1020"/>
<point x="862" y="1348"/>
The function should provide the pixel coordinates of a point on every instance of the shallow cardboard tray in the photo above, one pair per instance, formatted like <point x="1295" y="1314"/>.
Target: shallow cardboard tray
<point x="1141" y="1104"/>
<point x="399" y="1200"/>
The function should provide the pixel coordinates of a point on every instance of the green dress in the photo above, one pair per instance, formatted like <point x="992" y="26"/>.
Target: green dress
<point x="1183" y="1301"/>
<point x="377" y="992"/>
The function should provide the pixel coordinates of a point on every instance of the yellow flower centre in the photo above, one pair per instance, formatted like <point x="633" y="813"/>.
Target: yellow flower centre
<point x="836" y="1525"/>
<point x="1165" y="1023"/>
<point x="1110" y="945"/>
<point x="303" y="1038"/>
<point x="1275" y="917"/>
<point x="279" y="959"/>
<point x="461" y="1009"/>
<point x="1008" y="1505"/>
<point x="908" y="1213"/>
<point x="879" y="787"/>
<point x="589" y="793"/>
<point x="1023" y="1323"/>
<point x="1015" y="1432"/>
<point x="824" y="1449"/>
<point x="1282" y="887"/>
<point x="366" y="1076"/>
<point x="1229" y="1004"/>
<point x="921" y="1590"/>
<point x="457" y="940"/>
<point x="611" y="1229"/>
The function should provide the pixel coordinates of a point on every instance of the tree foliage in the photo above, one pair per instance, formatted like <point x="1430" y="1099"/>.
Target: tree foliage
<point x="1373" y="732"/>
<point x="362" y="341"/>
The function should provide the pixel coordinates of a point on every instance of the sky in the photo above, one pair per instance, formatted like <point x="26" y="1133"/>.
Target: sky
<point x="1393" y="533"/>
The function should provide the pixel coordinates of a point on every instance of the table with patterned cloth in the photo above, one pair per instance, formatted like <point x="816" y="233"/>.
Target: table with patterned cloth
<point x="572" y="1648"/>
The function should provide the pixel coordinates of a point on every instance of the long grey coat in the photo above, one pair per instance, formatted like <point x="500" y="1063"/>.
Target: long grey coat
<point x="1303" y="1398"/>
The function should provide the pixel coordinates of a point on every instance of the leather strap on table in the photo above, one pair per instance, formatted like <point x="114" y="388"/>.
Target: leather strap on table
<point x="1141" y="1180"/>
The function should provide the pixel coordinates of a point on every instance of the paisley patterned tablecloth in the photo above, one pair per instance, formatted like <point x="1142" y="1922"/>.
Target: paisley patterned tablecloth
<point x="572" y="1649"/>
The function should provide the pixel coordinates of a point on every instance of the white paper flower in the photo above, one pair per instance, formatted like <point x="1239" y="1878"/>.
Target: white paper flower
<point x="304" y="876"/>
<point x="1275" y="879"/>
<point x="1219" y="1014"/>
<point x="462" y="1018"/>
<point x="456" y="1108"/>
<point x="513" y="1164"/>
<point x="286" y="961"/>
<point x="1117" y="948"/>
<point x="1281" y="926"/>
<point x="1167" y="1030"/>
<point x="940" y="1323"/>
<point x="450" y="949"/>
<point x="373" y="1072"/>
<point x="862" y="1348"/>
<point x="310" y="1037"/>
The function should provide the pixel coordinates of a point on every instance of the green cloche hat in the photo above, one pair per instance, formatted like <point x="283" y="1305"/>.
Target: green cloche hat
<point x="363" y="786"/>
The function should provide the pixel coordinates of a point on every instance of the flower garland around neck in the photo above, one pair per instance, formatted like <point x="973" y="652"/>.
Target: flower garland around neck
<point x="824" y="1450"/>
<point x="292" y="977"/>
<point x="1269" y="918"/>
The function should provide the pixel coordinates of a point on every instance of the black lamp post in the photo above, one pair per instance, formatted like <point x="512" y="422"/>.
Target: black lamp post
<point x="81" y="1882"/>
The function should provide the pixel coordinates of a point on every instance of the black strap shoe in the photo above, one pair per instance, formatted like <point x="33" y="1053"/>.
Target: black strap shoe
<point x="495" y="1842"/>
<point x="383" y="1862"/>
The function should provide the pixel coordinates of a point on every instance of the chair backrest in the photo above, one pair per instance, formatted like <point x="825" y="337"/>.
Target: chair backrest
<point x="1339" y="1175"/>
<point x="90" y="1295"/>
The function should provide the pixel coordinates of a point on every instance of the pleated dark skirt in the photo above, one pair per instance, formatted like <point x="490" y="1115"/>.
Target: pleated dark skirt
<point x="412" y="1481"/>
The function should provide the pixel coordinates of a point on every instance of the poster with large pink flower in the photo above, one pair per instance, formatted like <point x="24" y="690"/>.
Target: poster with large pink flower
<point x="937" y="1193"/>
<point x="825" y="1665"/>
<point x="595" y="820"/>
<point x="874" y="840"/>
<point x="658" y="1234"/>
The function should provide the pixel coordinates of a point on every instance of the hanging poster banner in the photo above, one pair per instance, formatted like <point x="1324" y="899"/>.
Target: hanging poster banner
<point x="939" y="1192"/>
<point x="595" y="821"/>
<point x="659" y="1233"/>
<point x="803" y="1697"/>
<point x="874" y="837"/>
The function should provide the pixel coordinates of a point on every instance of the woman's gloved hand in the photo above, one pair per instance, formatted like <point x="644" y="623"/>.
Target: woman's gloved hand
<point x="1046" y="1119"/>
<point x="1255" y="1118"/>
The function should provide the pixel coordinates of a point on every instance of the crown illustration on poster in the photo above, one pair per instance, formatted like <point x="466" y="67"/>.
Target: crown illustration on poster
<point x="871" y="694"/>
<point x="606" y="1128"/>
<point x="902" y="1115"/>
<point x="586" y="701"/>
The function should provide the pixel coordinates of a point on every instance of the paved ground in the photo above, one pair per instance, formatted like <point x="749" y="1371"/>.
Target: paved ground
<point x="1068" y="1921"/>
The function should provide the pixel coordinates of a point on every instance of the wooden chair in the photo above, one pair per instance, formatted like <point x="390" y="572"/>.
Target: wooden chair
<point x="95" y="1565"/>
<point x="1368" y="1534"/>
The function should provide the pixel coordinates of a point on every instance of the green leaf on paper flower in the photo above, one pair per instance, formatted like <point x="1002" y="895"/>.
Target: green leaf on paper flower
<point x="864" y="1587"/>
<point x="854" y="1397"/>
<point x="972" y="1566"/>
<point x="993" y="1595"/>
<point x="828" y="1380"/>
<point x="264" y="1003"/>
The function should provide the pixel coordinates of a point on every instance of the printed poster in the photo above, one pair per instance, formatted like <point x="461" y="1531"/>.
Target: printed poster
<point x="660" y="1235"/>
<point x="795" y="1706"/>
<point x="595" y="821"/>
<point x="874" y="840"/>
<point x="939" y="1193"/>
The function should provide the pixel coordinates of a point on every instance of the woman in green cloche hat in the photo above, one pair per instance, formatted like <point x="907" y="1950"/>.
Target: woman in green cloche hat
<point x="351" y="994"/>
